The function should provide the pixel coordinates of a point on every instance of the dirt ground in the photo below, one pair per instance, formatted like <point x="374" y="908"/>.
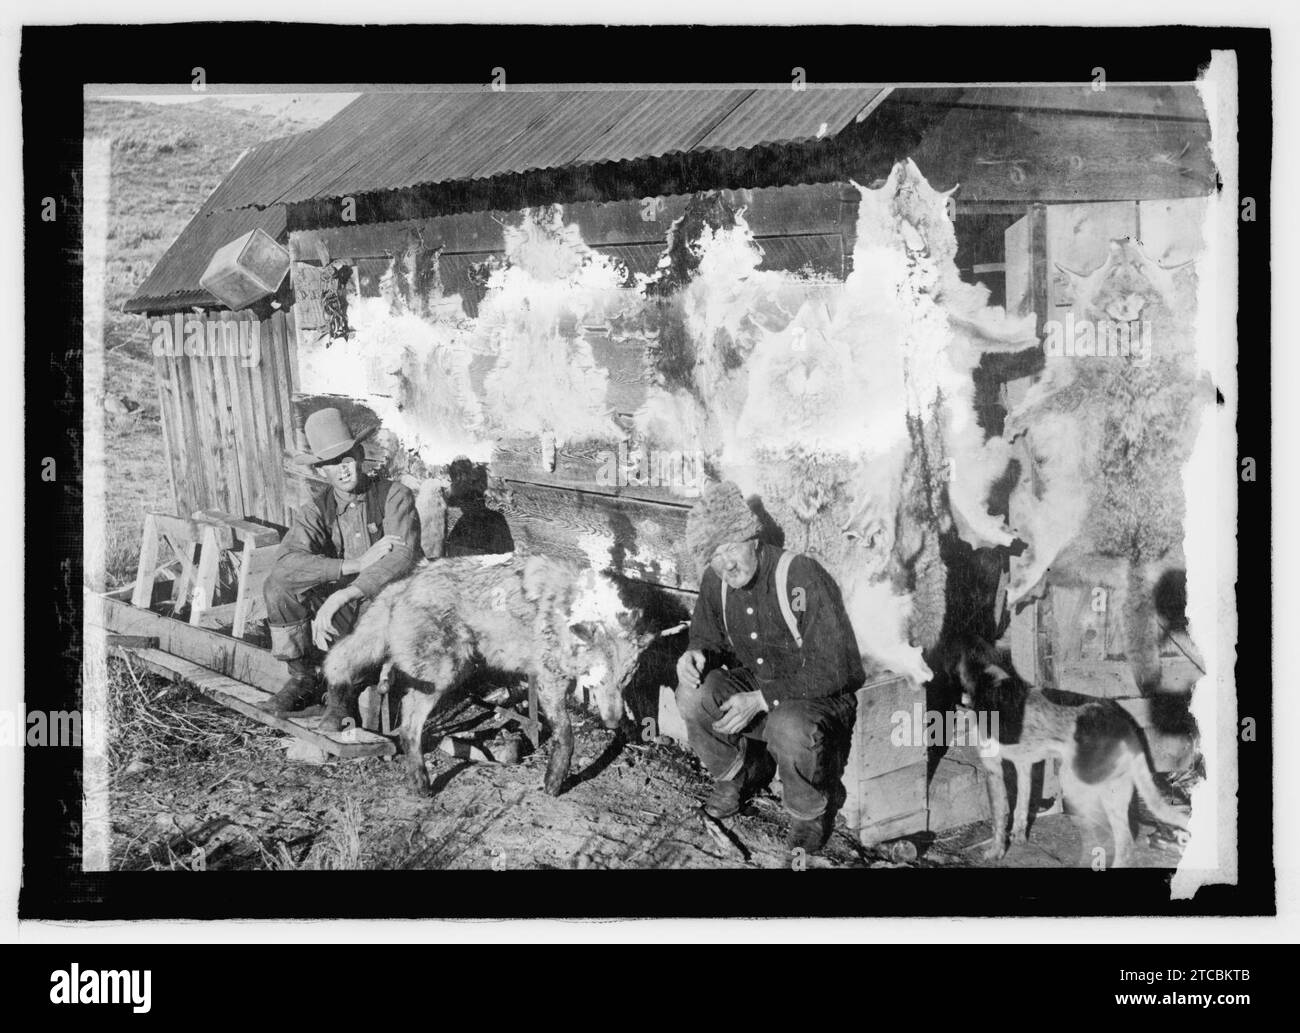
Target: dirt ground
<point x="195" y="786"/>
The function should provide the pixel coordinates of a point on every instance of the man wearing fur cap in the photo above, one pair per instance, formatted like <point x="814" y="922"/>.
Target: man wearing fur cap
<point x="768" y="680"/>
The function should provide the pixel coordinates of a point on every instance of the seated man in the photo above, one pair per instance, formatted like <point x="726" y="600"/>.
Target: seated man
<point x="785" y="698"/>
<point x="357" y="535"/>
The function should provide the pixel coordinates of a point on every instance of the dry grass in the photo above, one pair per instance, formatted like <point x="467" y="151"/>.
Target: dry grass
<point x="155" y="721"/>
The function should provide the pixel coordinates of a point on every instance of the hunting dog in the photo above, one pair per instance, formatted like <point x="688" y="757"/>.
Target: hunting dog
<point x="1102" y="752"/>
<point x="548" y="619"/>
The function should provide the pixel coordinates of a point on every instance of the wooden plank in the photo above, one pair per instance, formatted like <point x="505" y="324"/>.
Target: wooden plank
<point x="594" y="468"/>
<point x="878" y="702"/>
<point x="270" y="431"/>
<point x="210" y="441"/>
<point x="891" y="805"/>
<point x="170" y="424"/>
<point x="282" y="345"/>
<point x="251" y="433"/>
<point x="243" y="530"/>
<point x="245" y="699"/>
<point x="875" y="793"/>
<point x="230" y="656"/>
<point x="205" y="580"/>
<point x="219" y="618"/>
<point x="1138" y="101"/>
<point x="277" y="419"/>
<point x="193" y="434"/>
<point x="1004" y="155"/>
<point x="253" y="568"/>
<point x="770" y="211"/>
<point x="642" y="540"/>
<point x="148" y="565"/>
<point x="131" y="641"/>
<point x="232" y="422"/>
<point x="180" y="527"/>
<point x="287" y="334"/>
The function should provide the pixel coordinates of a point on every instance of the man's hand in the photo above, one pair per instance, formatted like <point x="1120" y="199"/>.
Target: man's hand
<point x="376" y="552"/>
<point x="739" y="711"/>
<point x="689" y="666"/>
<point x="322" y="627"/>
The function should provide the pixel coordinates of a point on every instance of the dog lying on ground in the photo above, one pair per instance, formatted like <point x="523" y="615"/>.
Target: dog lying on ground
<point x="1102" y="752"/>
<point x="534" y="615"/>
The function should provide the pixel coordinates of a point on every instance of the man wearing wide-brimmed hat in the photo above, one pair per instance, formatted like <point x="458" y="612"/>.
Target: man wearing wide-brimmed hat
<point x="768" y="680"/>
<point x="358" y="534"/>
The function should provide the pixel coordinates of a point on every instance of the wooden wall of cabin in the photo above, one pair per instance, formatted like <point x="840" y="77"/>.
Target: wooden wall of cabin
<point x="560" y="503"/>
<point x="226" y="422"/>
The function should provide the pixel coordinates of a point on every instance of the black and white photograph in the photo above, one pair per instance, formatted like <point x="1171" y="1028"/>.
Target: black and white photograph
<point x="511" y="466"/>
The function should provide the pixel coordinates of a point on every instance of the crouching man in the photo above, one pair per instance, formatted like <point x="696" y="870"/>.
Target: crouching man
<point x="768" y="680"/>
<point x="357" y="535"/>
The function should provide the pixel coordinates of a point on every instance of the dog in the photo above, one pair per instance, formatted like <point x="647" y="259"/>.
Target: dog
<point x="1102" y="752"/>
<point x="535" y="615"/>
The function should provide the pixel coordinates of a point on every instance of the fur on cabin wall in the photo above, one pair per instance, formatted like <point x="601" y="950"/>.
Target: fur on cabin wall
<point x="1107" y="438"/>
<point x="448" y="384"/>
<point x="848" y="407"/>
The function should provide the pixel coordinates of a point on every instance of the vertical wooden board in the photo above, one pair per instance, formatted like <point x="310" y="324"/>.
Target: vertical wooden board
<point x="248" y="443"/>
<point x="205" y="579"/>
<point x="142" y="596"/>
<point x="256" y="441"/>
<point x="288" y="333"/>
<point x="208" y="432"/>
<point x="169" y="422"/>
<point x="228" y="419"/>
<point x="192" y="444"/>
<point x="276" y="378"/>
<point x="286" y="336"/>
<point x="1019" y="267"/>
<point x="270" y="432"/>
<point x="223" y="438"/>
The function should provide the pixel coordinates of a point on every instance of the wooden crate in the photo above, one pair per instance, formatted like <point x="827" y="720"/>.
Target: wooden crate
<point x="885" y="783"/>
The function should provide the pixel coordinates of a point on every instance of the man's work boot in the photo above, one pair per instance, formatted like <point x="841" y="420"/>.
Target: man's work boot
<point x="808" y="835"/>
<point x="302" y="690"/>
<point x="730" y="795"/>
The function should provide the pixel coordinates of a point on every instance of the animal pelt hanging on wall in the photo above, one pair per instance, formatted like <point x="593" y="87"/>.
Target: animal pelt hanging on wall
<point x="1107" y="438"/>
<point x="848" y="407"/>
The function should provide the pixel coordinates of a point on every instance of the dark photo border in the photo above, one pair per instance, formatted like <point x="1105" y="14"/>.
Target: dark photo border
<point x="55" y="64"/>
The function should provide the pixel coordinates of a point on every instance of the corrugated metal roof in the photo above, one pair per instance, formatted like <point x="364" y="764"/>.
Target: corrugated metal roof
<point x="174" y="282"/>
<point x="384" y="141"/>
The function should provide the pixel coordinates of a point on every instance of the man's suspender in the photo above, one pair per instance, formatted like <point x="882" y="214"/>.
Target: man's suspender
<point x="782" y="598"/>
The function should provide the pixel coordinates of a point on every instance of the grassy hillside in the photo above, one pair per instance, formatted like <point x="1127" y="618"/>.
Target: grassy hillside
<point x="167" y="159"/>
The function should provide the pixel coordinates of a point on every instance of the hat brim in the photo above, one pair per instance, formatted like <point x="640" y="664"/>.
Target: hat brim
<point x="334" y="451"/>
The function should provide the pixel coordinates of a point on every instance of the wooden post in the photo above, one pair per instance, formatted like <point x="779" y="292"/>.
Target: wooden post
<point x="148" y="567"/>
<point x="205" y="581"/>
